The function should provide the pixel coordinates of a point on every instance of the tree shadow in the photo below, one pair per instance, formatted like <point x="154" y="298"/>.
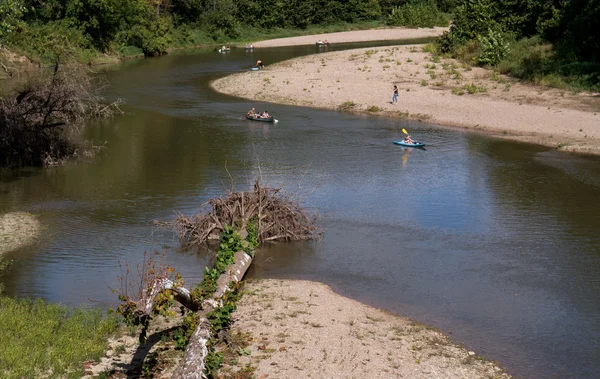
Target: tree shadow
<point x="134" y="368"/>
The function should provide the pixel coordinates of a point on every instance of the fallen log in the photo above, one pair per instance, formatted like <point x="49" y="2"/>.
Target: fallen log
<point x="193" y="364"/>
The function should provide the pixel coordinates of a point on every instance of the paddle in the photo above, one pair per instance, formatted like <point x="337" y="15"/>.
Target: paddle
<point x="404" y="131"/>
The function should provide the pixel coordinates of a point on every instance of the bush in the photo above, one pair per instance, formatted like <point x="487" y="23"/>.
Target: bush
<point x="36" y="121"/>
<point x="417" y="14"/>
<point x="54" y="39"/>
<point x="492" y="48"/>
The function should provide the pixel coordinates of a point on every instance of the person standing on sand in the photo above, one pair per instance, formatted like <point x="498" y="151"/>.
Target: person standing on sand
<point x="395" y="97"/>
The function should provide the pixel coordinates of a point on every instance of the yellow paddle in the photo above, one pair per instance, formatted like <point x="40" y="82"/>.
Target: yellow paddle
<point x="404" y="131"/>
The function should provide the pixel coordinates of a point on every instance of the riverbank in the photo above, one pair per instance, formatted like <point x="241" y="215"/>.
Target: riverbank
<point x="17" y="229"/>
<point x="432" y="89"/>
<point x="298" y="328"/>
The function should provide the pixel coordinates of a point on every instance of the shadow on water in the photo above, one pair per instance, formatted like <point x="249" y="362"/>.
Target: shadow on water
<point x="497" y="241"/>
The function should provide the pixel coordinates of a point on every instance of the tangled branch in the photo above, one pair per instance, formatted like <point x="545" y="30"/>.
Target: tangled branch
<point x="277" y="215"/>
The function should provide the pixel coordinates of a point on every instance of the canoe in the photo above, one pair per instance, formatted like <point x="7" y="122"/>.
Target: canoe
<point x="402" y="143"/>
<point x="224" y="50"/>
<point x="322" y="44"/>
<point x="254" y="68"/>
<point x="270" y="119"/>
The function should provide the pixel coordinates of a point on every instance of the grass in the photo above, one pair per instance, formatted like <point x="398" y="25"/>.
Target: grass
<point x="374" y="109"/>
<point x="346" y="106"/>
<point x="535" y="61"/>
<point x="39" y="338"/>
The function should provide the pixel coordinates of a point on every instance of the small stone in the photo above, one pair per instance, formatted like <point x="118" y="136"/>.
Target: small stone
<point x="471" y="353"/>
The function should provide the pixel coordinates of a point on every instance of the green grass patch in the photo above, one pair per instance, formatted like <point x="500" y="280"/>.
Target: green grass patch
<point x="346" y="106"/>
<point x="39" y="338"/>
<point x="374" y="109"/>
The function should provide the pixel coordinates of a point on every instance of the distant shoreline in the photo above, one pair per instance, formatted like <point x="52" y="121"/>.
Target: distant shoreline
<point x="383" y="34"/>
<point x="436" y="90"/>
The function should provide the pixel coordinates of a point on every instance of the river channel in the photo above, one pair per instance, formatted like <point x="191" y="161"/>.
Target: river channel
<point x="496" y="243"/>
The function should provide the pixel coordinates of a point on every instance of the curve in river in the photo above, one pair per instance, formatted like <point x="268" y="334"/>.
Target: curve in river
<point x="496" y="242"/>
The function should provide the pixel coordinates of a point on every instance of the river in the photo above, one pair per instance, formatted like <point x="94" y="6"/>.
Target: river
<point x="495" y="242"/>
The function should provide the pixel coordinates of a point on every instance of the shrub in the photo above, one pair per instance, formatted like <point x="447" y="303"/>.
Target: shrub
<point x="417" y="14"/>
<point x="35" y="123"/>
<point x="492" y="48"/>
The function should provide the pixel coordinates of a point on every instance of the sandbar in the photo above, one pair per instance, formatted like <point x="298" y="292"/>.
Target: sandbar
<point x="17" y="229"/>
<point x="434" y="90"/>
<point x="384" y="34"/>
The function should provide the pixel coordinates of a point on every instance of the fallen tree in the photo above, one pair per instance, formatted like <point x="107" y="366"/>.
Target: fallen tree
<point x="240" y="220"/>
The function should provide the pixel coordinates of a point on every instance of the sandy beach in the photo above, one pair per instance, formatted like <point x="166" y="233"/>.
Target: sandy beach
<point x="432" y="89"/>
<point x="385" y="34"/>
<point x="302" y="329"/>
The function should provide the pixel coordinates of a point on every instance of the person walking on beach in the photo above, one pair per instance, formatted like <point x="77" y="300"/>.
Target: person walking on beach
<point x="395" y="97"/>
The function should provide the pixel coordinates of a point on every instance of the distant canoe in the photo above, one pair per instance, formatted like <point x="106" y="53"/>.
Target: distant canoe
<point x="269" y="119"/>
<point x="224" y="50"/>
<point x="322" y="43"/>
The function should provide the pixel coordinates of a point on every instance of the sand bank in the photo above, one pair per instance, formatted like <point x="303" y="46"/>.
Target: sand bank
<point x="17" y="229"/>
<point x="302" y="329"/>
<point x="438" y="91"/>
<point x="355" y="36"/>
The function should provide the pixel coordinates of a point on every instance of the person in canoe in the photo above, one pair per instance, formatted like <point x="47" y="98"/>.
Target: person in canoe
<point x="259" y="64"/>
<point x="408" y="140"/>
<point x="265" y="114"/>
<point x="251" y="113"/>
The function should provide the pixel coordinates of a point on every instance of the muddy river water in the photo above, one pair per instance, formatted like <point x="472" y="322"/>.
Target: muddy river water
<point x="494" y="242"/>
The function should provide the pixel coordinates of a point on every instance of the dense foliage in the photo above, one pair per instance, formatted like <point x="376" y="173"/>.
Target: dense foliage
<point x="547" y="41"/>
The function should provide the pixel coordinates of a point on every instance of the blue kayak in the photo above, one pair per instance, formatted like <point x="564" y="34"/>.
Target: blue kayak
<point x="254" y="69"/>
<point x="415" y="144"/>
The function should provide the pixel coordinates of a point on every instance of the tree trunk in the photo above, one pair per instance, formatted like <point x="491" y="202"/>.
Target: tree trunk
<point x="193" y="361"/>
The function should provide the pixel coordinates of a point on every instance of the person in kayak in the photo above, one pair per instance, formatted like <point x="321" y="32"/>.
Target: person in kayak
<point x="260" y="64"/>
<point x="265" y="114"/>
<point x="409" y="140"/>
<point x="251" y="113"/>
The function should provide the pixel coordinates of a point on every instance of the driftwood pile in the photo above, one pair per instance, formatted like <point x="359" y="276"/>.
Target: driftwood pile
<point x="273" y="215"/>
<point x="277" y="214"/>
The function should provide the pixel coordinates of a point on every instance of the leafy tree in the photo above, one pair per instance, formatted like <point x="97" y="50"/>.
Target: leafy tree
<point x="11" y="12"/>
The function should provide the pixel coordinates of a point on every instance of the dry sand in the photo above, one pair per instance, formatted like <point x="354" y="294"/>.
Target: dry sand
<point x="302" y="329"/>
<point x="431" y="90"/>
<point x="355" y="36"/>
<point x="17" y="229"/>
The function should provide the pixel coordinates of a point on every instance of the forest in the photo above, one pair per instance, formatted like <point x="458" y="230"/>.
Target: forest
<point x="530" y="39"/>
